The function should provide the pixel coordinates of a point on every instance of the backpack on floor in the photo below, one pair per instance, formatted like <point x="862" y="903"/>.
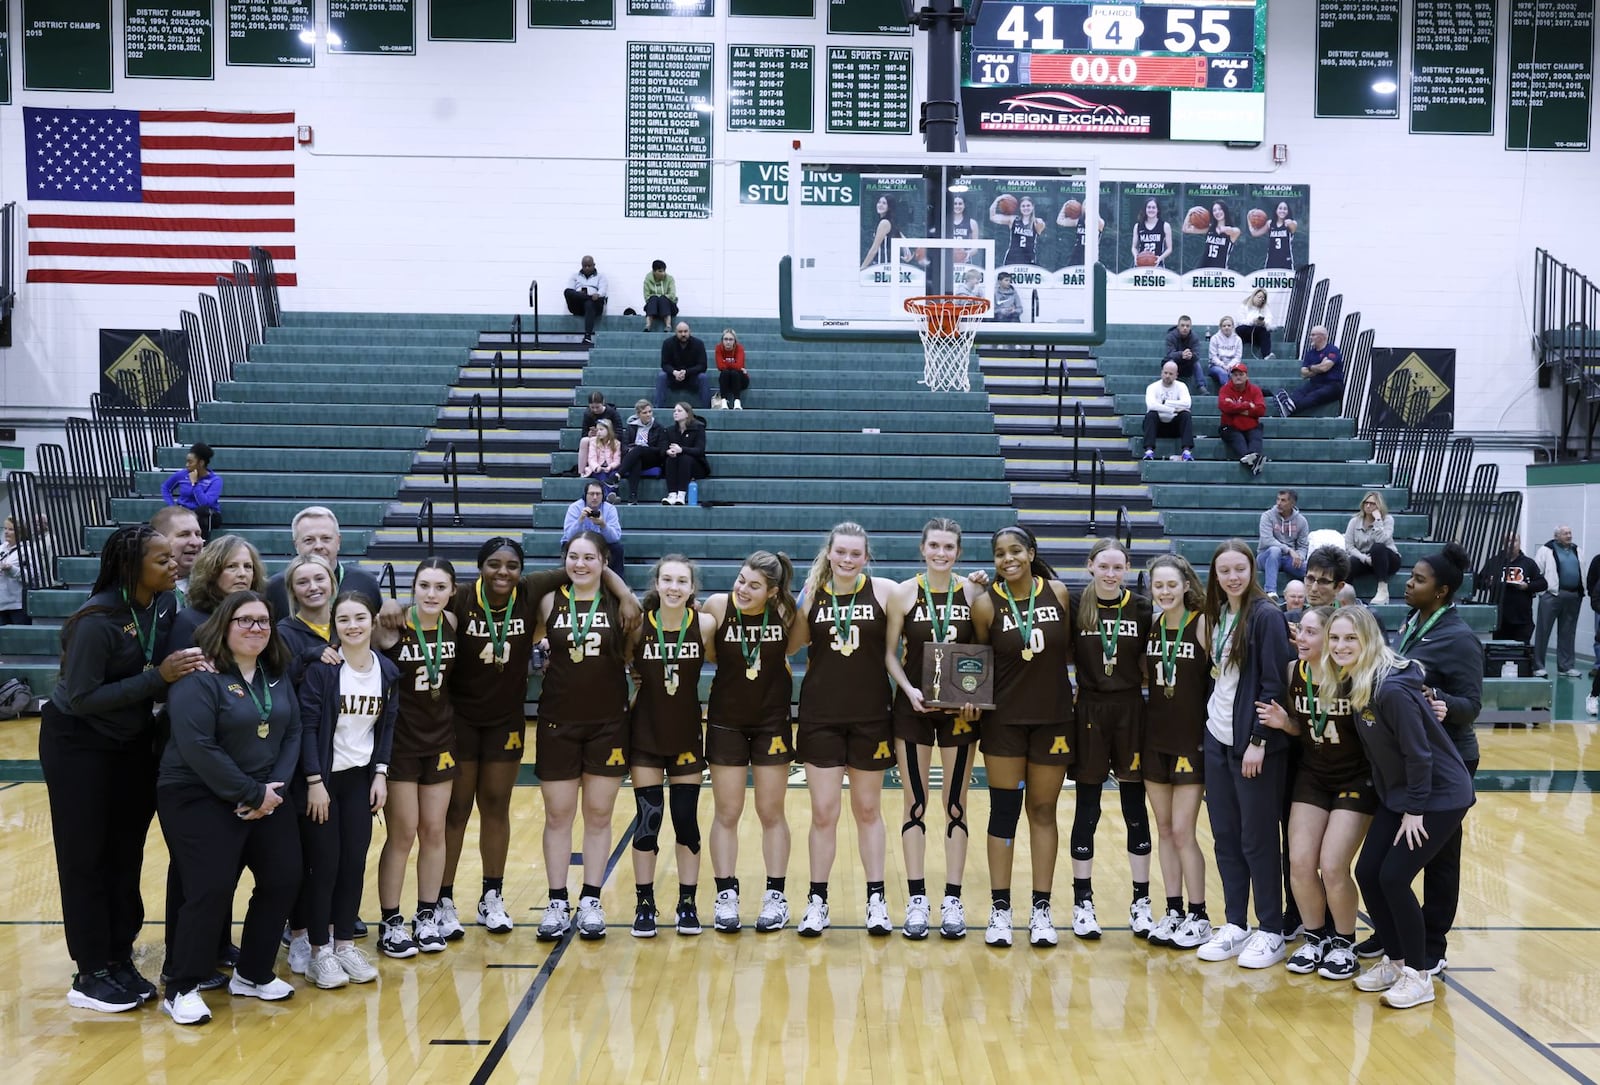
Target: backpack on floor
<point x="15" y="697"/>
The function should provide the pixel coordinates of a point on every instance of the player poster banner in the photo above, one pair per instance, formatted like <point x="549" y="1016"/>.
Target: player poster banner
<point x="1413" y="386"/>
<point x="147" y="367"/>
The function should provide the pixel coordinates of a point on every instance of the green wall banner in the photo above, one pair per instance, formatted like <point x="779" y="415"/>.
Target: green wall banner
<point x="768" y="183"/>
<point x="66" y="45"/>
<point x="169" y="39"/>
<point x="774" y="9"/>
<point x="380" y="27"/>
<point x="1551" y="75"/>
<point x="268" y="33"/>
<point x="867" y="17"/>
<point x="869" y="90"/>
<point x="770" y="88"/>
<point x="1452" y="67"/>
<point x="670" y="119"/>
<point x="576" y="14"/>
<point x="1358" y="58"/>
<point x="5" y="55"/>
<point x="679" y="9"/>
<point x="472" y="20"/>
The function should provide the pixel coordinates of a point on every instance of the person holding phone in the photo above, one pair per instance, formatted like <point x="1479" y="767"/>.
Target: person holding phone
<point x="592" y="512"/>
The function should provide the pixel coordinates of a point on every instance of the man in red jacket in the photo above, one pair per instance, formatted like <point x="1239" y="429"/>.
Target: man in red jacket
<point x="1243" y="406"/>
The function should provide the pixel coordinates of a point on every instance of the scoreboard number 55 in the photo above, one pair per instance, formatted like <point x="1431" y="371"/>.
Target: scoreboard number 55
<point x="1113" y="27"/>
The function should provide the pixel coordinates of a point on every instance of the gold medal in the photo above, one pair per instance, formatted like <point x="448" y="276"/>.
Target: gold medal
<point x="1169" y="691"/>
<point x="671" y="674"/>
<point x="846" y="649"/>
<point x="263" y="730"/>
<point x="1027" y="655"/>
<point x="576" y="652"/>
<point x="1111" y="667"/>
<point x="435" y="692"/>
<point x="1216" y="672"/>
<point x="499" y="665"/>
<point x="751" y="672"/>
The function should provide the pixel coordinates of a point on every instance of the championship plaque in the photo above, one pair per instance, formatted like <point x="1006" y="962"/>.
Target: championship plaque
<point x="957" y="674"/>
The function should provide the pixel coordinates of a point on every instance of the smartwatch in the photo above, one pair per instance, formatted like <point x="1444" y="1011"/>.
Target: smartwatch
<point x="1257" y="741"/>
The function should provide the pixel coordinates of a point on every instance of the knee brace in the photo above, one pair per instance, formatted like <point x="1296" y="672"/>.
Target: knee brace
<point x="1135" y="814"/>
<point x="1005" y="810"/>
<point x="1085" y="820"/>
<point x="919" y="796"/>
<point x="648" y="801"/>
<point x="685" y="800"/>
<point x="954" y="780"/>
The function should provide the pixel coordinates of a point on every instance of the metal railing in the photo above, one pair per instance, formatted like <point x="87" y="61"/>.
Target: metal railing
<point x="1080" y="423"/>
<point x="533" y="303"/>
<point x="452" y="475"/>
<point x="1567" y="346"/>
<point x="516" y="344"/>
<point x="425" y="523"/>
<point x="386" y="576"/>
<point x="500" y="387"/>
<point x="475" y="417"/>
<point x="1097" y="478"/>
<point x="1061" y="383"/>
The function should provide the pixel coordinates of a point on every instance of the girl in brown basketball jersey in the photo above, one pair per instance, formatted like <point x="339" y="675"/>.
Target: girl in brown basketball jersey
<point x="1112" y="625"/>
<point x="1172" y="763"/>
<point x="935" y="605"/>
<point x="748" y="732"/>
<point x="583" y="732"/>
<point x="423" y="763"/>
<point x="666" y="736"/>
<point x="844" y="714"/>
<point x="1027" y="740"/>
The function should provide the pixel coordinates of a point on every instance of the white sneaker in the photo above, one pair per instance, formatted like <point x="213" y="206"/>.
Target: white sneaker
<point x="999" y="932"/>
<point x="274" y="990"/>
<point x="774" y="914"/>
<point x="917" y="913"/>
<point x="1140" y="921"/>
<point x="878" y="923"/>
<point x="1262" y="950"/>
<point x="725" y="911"/>
<point x="394" y="940"/>
<point x="1041" y="928"/>
<point x="1591" y="705"/>
<point x="1161" y="934"/>
<point x="187" y="1009"/>
<point x="1192" y="932"/>
<point x="356" y="965"/>
<point x="1338" y="960"/>
<point x="556" y="922"/>
<point x="448" y="920"/>
<point x="492" y="913"/>
<point x="425" y="931"/>
<point x="591" y="919"/>
<point x="1381" y="976"/>
<point x="325" y="970"/>
<point x="952" y="919"/>
<point x="299" y="955"/>
<point x="1438" y="968"/>
<point x="738" y="404"/>
<point x="1084" y="923"/>
<point x="718" y="403"/>
<point x="1226" y="943"/>
<point x="815" y="921"/>
<point x="1411" y="989"/>
<point x="1307" y="959"/>
<point x="1381" y="596"/>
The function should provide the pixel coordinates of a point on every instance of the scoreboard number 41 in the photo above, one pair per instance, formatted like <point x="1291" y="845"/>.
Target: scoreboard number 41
<point x="1111" y="27"/>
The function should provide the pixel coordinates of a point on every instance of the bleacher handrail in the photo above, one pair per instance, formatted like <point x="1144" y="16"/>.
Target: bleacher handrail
<point x="425" y="523"/>
<point x="1097" y="476"/>
<point x="1079" y="424"/>
<point x="452" y="475"/>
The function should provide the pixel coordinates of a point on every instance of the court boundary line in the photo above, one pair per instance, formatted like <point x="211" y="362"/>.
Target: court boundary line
<point x="1517" y="1030"/>
<point x="513" y="1025"/>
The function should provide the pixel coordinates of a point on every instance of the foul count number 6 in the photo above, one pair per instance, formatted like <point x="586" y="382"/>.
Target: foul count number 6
<point x="1187" y="29"/>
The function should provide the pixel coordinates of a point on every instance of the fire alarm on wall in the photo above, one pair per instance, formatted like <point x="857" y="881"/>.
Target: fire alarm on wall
<point x="302" y="134"/>
<point x="1280" y="153"/>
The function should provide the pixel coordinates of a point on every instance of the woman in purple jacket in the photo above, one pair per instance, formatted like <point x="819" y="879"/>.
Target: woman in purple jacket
<point x="195" y="486"/>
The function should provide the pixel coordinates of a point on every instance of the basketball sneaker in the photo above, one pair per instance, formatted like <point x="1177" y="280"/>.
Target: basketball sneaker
<point x="1041" y="928"/>
<point x="1411" y="989"/>
<point x="725" y="911"/>
<point x="492" y="913"/>
<point x="1381" y="976"/>
<point x="644" y="920"/>
<point x="815" y="921"/>
<point x="688" y="918"/>
<point x="774" y="912"/>
<point x="449" y="921"/>
<point x="917" y="913"/>
<point x="1338" y="960"/>
<point x="425" y="930"/>
<point x="1084" y="923"/>
<point x="999" y="931"/>
<point x="878" y="922"/>
<point x="394" y="941"/>
<point x="952" y="919"/>
<point x="1193" y="932"/>
<point x="1308" y="957"/>
<point x="556" y="922"/>
<point x="1140" y="920"/>
<point x="591" y="919"/>
<point x="1161" y="934"/>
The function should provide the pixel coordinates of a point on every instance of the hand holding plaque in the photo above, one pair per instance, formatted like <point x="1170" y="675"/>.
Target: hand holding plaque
<point x="954" y="675"/>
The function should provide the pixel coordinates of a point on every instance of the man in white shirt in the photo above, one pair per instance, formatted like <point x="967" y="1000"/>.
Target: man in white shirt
<point x="1167" y="412"/>
<point x="586" y="297"/>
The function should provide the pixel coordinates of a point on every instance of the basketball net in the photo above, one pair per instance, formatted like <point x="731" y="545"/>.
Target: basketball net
<point x="949" y="324"/>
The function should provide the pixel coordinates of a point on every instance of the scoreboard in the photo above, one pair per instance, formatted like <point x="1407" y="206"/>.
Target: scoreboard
<point x="1154" y="70"/>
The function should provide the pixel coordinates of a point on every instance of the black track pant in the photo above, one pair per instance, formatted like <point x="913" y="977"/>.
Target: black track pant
<point x="335" y="855"/>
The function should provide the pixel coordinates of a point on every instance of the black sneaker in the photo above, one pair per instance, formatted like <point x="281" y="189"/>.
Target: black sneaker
<point x="360" y="929"/>
<point x="229" y="958"/>
<point x="98" y="991"/>
<point x="1369" y="947"/>
<point x="644" y="920"/>
<point x="124" y="975"/>
<point x="210" y="983"/>
<point x="395" y="941"/>
<point x="688" y="918"/>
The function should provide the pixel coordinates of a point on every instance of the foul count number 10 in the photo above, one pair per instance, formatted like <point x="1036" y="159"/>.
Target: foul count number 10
<point x="1117" y="27"/>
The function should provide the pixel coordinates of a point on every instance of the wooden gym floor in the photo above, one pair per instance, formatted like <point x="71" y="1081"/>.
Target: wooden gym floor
<point x="1521" y="1001"/>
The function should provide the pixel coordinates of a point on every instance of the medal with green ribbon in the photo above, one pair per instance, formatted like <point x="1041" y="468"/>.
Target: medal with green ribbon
<point x="497" y="633"/>
<point x="1108" y="640"/>
<point x="841" y="631"/>
<point x="1219" y="642"/>
<point x="941" y="629"/>
<point x="263" y="703"/>
<point x="146" y="642"/>
<point x="1024" y="627"/>
<point x="670" y="670"/>
<point x="752" y="652"/>
<point x="432" y="659"/>
<point x="1168" y="664"/>
<point x="1319" y="711"/>
<point x="580" y="634"/>
<point x="1410" y="635"/>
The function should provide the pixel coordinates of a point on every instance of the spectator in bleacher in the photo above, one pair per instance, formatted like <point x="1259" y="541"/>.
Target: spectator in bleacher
<point x="660" y="296"/>
<point x="1294" y="595"/>
<point x="1168" y="412"/>
<point x="1242" y="406"/>
<point x="1184" y="349"/>
<point x="227" y="564"/>
<point x="598" y="409"/>
<point x="1346" y="596"/>
<point x="604" y="457"/>
<point x="1007" y="302"/>
<point x="1327" y="569"/>
<point x="683" y="368"/>
<point x="1561" y="564"/>
<point x="1369" y="542"/>
<point x="1281" y="541"/>
<point x="591" y="513"/>
<point x="645" y="447"/>
<point x="1322" y="373"/>
<point x="1255" y="325"/>
<point x="12" y="610"/>
<point x="182" y="529"/>
<point x="1223" y="351"/>
<point x="197" y="488"/>
<point x="685" y="454"/>
<point x="732" y="379"/>
<point x="316" y="531"/>
<point x="1519" y="580"/>
<point x="586" y="297"/>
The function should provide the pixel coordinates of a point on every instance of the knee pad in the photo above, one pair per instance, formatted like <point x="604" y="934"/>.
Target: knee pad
<point x="919" y="797"/>
<point x="1085" y="820"/>
<point x="1137" y="818"/>
<point x="953" y="809"/>
<point x="685" y="800"/>
<point x="648" y="801"/>
<point x="1005" y="810"/>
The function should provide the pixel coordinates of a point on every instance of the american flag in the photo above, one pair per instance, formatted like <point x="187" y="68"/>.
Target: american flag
<point x="176" y="195"/>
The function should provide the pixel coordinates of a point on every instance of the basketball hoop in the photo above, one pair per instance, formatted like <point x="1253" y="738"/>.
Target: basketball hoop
<point x="949" y="323"/>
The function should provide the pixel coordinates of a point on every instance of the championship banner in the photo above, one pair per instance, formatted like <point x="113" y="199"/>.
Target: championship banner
<point x="147" y="367"/>
<point x="1413" y="387"/>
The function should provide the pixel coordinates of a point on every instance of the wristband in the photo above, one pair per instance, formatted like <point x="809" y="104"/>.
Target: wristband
<point x="313" y="779"/>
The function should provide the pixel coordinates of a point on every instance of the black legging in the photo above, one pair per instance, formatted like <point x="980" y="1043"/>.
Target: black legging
<point x="335" y="855"/>
<point x="1259" y="336"/>
<point x="731" y="383"/>
<point x="680" y="470"/>
<point x="1385" y="871"/>
<point x="1441" y="889"/>
<point x="1385" y="562"/>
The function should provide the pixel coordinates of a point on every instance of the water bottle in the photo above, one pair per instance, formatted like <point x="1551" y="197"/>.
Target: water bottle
<point x="694" y="493"/>
<point x="1508" y="669"/>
